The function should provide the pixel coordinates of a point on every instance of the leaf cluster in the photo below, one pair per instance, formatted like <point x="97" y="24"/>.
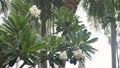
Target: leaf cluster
<point x="19" y="40"/>
<point x="75" y="33"/>
<point x="103" y="11"/>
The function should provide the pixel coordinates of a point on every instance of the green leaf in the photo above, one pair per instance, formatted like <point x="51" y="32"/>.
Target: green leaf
<point x="92" y="40"/>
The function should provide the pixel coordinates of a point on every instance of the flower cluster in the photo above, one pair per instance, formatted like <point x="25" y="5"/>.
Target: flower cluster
<point x="34" y="11"/>
<point x="79" y="54"/>
<point x="63" y="55"/>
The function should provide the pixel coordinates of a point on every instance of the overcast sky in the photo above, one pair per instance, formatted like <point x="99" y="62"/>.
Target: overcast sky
<point x="102" y="58"/>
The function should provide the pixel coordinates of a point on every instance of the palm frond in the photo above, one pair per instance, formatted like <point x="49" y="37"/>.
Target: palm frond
<point x="3" y="5"/>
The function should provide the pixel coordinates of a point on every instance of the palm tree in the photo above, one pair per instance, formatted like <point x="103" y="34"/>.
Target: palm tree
<point x="106" y="13"/>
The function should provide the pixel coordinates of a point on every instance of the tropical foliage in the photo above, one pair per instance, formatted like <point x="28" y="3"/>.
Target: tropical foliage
<point x="107" y="13"/>
<point x="19" y="38"/>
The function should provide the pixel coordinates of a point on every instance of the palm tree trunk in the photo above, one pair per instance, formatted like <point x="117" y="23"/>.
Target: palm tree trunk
<point x="113" y="43"/>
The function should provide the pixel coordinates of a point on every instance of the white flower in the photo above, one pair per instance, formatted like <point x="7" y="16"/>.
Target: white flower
<point x="78" y="54"/>
<point x="83" y="55"/>
<point x="34" y="11"/>
<point x="63" y="55"/>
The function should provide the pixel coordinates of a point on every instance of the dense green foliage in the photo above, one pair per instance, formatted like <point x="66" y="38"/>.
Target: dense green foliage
<point x="20" y="39"/>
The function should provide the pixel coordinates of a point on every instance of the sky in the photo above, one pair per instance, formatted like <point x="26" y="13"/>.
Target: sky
<point x="102" y="58"/>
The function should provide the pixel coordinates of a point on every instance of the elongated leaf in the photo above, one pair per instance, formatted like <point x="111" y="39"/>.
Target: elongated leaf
<point x="92" y="40"/>
<point x="8" y="23"/>
<point x="12" y="21"/>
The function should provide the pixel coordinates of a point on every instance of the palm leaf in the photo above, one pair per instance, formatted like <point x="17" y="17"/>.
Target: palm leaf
<point x="92" y="40"/>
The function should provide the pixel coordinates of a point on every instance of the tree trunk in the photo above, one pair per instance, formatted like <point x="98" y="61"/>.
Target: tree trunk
<point x="118" y="58"/>
<point x="113" y="44"/>
<point x="60" y="66"/>
<point x="43" y="32"/>
<point x="44" y="65"/>
<point x="43" y="28"/>
<point x="81" y="65"/>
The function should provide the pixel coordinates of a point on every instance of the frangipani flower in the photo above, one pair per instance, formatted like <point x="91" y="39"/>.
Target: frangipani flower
<point x="83" y="55"/>
<point x="63" y="55"/>
<point x="34" y="11"/>
<point x="78" y="54"/>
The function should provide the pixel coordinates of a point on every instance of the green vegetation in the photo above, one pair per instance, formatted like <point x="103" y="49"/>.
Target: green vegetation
<point x="20" y="35"/>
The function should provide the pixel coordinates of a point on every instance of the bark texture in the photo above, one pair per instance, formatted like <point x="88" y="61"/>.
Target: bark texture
<point x="113" y="44"/>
